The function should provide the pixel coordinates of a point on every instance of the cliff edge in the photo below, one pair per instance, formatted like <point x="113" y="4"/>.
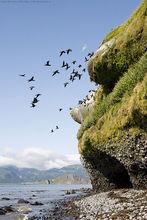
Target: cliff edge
<point x="113" y="133"/>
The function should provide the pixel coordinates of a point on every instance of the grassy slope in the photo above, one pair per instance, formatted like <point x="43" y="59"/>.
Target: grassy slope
<point x="124" y="109"/>
<point x="130" y="44"/>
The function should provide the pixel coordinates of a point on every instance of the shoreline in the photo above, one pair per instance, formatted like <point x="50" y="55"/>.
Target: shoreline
<point x="121" y="204"/>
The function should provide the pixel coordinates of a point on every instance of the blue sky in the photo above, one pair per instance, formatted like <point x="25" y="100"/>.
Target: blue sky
<point x="32" y="33"/>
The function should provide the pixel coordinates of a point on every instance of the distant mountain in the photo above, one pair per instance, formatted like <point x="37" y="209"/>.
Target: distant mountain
<point x="69" y="174"/>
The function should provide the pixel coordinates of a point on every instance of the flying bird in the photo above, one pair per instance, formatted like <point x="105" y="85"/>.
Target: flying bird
<point x="80" y="102"/>
<point x="23" y="75"/>
<point x="60" y="109"/>
<point x="90" y="54"/>
<point x="71" y="78"/>
<point x="31" y="79"/>
<point x="33" y="105"/>
<point x="35" y="100"/>
<point x="74" y="62"/>
<point x="37" y="95"/>
<point x="70" y="108"/>
<point x="80" y="66"/>
<point x="57" y="127"/>
<point x="32" y="87"/>
<point x="73" y="71"/>
<point x="67" y="66"/>
<point x="48" y="63"/>
<point x="84" y="70"/>
<point x="68" y="51"/>
<point x="79" y="75"/>
<point x="52" y="131"/>
<point x="63" y="64"/>
<point x="62" y="52"/>
<point x="65" y="84"/>
<point x="86" y="59"/>
<point x="55" y="72"/>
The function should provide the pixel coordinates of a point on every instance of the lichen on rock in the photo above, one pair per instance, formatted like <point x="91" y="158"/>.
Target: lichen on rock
<point x="112" y="137"/>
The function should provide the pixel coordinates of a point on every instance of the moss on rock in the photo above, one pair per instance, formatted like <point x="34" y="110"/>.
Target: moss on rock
<point x="115" y="131"/>
<point x="129" y="43"/>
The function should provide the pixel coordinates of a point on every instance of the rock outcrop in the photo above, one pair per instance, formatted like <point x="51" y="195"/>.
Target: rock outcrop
<point x="113" y="134"/>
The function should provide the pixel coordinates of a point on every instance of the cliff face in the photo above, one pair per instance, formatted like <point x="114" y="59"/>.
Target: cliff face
<point x="113" y="134"/>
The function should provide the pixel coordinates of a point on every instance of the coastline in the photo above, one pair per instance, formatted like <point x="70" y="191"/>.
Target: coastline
<point x="119" y="204"/>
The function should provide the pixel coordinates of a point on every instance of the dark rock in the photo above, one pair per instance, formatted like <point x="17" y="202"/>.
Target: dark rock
<point x="2" y="211"/>
<point x="6" y="209"/>
<point x="5" y="198"/>
<point x="37" y="203"/>
<point x="69" y="192"/>
<point x="21" y="201"/>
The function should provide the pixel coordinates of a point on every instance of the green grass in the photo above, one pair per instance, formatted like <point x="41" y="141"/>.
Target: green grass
<point x="130" y="44"/>
<point x="124" y="87"/>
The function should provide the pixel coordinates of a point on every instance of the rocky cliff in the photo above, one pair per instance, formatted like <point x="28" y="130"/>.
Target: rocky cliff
<point x="113" y="133"/>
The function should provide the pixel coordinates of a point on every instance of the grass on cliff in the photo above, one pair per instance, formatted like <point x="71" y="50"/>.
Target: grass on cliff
<point x="123" y="88"/>
<point x="130" y="44"/>
<point x="140" y="12"/>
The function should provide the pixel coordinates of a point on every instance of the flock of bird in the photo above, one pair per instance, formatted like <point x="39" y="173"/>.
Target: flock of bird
<point x="75" y="74"/>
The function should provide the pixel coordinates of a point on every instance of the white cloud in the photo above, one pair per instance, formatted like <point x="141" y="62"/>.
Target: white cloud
<point x="38" y="158"/>
<point x="84" y="47"/>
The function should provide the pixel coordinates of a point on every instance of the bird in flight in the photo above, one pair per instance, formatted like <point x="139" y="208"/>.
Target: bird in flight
<point x="60" y="109"/>
<point x="80" y="102"/>
<point x="35" y="100"/>
<point x="84" y="70"/>
<point x="55" y="72"/>
<point x="33" y="105"/>
<point x="32" y="87"/>
<point x="52" y="131"/>
<point x="63" y="64"/>
<point x="65" y="84"/>
<point x="23" y="75"/>
<point x="80" y="66"/>
<point x="90" y="54"/>
<point x="70" y="108"/>
<point x="67" y="66"/>
<point x="74" y="62"/>
<point x="68" y="51"/>
<point x="31" y="79"/>
<point x="62" y="52"/>
<point x="48" y="63"/>
<point x="79" y="75"/>
<point x="57" y="127"/>
<point x="37" y="95"/>
<point x="86" y="59"/>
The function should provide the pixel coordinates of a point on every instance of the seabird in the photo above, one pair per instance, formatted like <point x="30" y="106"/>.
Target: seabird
<point x="62" y="52"/>
<point x="68" y="50"/>
<point x="32" y="87"/>
<point x="55" y="72"/>
<point x="31" y="79"/>
<point x="65" y="84"/>
<point x="48" y="63"/>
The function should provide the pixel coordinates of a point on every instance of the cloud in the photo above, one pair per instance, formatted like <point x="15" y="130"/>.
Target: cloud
<point x="84" y="47"/>
<point x="38" y="158"/>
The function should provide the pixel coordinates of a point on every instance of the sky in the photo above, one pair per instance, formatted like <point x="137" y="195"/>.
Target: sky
<point x="31" y="33"/>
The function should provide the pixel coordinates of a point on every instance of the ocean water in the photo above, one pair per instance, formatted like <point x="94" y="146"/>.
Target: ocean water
<point x="46" y="194"/>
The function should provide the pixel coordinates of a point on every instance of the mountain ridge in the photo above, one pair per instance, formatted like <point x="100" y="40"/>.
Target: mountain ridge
<point x="13" y="174"/>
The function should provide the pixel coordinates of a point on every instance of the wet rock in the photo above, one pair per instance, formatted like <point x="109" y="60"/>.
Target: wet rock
<point x="22" y="201"/>
<point x="69" y="192"/>
<point x="2" y="211"/>
<point x="6" y="209"/>
<point x="37" y="203"/>
<point x="5" y="198"/>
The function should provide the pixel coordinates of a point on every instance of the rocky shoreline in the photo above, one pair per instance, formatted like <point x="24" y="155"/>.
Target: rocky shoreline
<point x="119" y="204"/>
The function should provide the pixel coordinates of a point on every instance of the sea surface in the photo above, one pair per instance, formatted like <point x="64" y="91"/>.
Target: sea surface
<point x="45" y="194"/>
